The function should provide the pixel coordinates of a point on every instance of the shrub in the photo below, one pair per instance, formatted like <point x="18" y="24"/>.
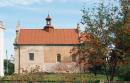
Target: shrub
<point x="124" y="73"/>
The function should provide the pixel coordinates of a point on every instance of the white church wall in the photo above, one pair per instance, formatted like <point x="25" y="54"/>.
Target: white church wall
<point x="45" y="57"/>
<point x="1" y="49"/>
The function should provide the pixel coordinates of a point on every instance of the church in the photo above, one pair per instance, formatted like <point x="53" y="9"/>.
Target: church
<point x="45" y="49"/>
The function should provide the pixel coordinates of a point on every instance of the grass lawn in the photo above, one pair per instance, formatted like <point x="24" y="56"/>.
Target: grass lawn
<point x="56" y="77"/>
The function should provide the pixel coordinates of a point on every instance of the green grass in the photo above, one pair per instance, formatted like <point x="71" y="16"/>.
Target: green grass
<point x="56" y="77"/>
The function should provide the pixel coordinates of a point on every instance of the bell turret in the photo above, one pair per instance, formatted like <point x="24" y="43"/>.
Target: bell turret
<point x="48" y="26"/>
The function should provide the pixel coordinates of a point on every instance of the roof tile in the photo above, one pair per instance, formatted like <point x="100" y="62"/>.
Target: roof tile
<point x="41" y="36"/>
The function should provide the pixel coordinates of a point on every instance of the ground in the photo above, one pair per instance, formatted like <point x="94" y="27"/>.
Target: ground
<point x="75" y="78"/>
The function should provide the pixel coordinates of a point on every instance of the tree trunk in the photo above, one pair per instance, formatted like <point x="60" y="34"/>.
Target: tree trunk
<point x="113" y="69"/>
<point x="106" y="72"/>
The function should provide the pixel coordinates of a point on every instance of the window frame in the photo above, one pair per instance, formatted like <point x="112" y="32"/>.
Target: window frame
<point x="31" y="56"/>
<point x="58" y="59"/>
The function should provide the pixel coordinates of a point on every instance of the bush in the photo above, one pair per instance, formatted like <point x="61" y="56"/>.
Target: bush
<point x="124" y="73"/>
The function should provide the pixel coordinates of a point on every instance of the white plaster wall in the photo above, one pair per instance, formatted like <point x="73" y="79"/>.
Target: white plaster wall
<point x="45" y="58"/>
<point x="1" y="51"/>
<point x="61" y="67"/>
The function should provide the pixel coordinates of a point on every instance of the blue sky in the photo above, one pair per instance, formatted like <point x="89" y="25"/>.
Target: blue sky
<point x="32" y="14"/>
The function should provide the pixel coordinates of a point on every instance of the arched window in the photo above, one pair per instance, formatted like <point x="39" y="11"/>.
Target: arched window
<point x="73" y="58"/>
<point x="58" y="57"/>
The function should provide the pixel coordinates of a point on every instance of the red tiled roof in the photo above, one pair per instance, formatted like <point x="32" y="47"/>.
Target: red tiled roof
<point x="128" y="0"/>
<point x="41" y="36"/>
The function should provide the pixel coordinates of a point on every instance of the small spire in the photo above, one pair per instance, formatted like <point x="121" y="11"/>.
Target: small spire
<point x="1" y="25"/>
<point x="48" y="17"/>
<point x="17" y="31"/>
<point x="78" y="27"/>
<point x="48" y="20"/>
<point x="18" y="26"/>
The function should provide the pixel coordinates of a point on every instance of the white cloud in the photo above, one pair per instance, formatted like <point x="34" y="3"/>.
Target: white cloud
<point x="4" y="3"/>
<point x="17" y="2"/>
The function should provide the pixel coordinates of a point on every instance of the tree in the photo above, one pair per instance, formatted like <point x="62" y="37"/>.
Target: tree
<point x="123" y="41"/>
<point x="9" y="67"/>
<point x="125" y="73"/>
<point x="104" y="29"/>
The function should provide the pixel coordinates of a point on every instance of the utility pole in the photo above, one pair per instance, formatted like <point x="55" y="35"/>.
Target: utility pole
<point x="7" y="62"/>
